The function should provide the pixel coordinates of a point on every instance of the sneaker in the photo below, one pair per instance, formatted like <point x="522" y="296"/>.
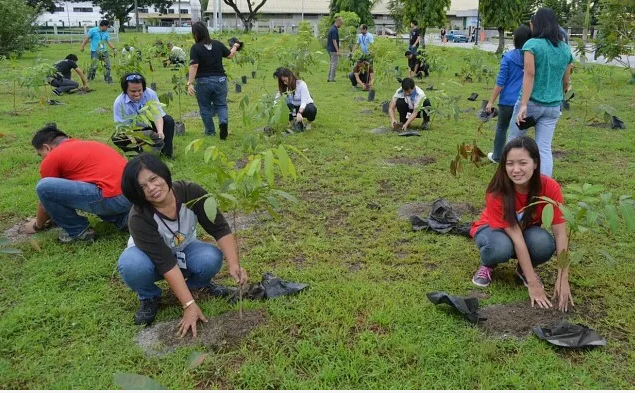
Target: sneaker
<point x="483" y="276"/>
<point x="57" y="92"/>
<point x="522" y="278"/>
<point x="87" y="236"/>
<point x="221" y="291"/>
<point x="147" y="311"/>
<point x="490" y="155"/>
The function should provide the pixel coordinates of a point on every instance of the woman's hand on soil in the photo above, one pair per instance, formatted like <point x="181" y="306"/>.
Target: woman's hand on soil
<point x="538" y="296"/>
<point x="191" y="315"/>
<point x="190" y="90"/>
<point x="522" y="113"/>
<point x="239" y="274"/>
<point x="562" y="294"/>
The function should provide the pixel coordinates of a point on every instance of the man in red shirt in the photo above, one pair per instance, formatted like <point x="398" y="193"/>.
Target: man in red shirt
<point x="77" y="175"/>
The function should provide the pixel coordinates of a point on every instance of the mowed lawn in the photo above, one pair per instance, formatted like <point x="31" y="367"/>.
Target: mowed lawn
<point x="364" y="323"/>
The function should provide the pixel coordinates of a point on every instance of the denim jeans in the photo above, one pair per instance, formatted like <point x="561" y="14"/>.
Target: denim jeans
<point x="94" y="56"/>
<point x="496" y="247"/>
<point x="62" y="198"/>
<point x="64" y="85"/>
<point x="211" y="94"/>
<point x="139" y="273"/>
<point x="546" y="120"/>
<point x="502" y="125"/>
<point x="333" y="60"/>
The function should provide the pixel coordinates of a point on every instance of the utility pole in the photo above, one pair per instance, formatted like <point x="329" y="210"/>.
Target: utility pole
<point x="478" y="19"/>
<point x="302" y="9"/>
<point x="136" y="16"/>
<point x="180" y="22"/>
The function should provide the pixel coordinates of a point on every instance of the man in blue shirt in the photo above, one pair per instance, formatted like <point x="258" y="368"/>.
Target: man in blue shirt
<point x="135" y="95"/>
<point x="333" y="48"/>
<point x="98" y="37"/>
<point x="364" y="40"/>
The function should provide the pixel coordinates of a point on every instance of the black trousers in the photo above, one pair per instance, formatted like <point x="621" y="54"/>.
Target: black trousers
<point x="402" y="108"/>
<point x="64" y="85"/>
<point x="362" y="77"/>
<point x="310" y="111"/>
<point x="165" y="146"/>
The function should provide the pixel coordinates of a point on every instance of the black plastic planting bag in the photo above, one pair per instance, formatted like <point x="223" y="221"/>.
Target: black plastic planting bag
<point x="468" y="307"/>
<point x="442" y="218"/>
<point x="566" y="335"/>
<point x="268" y="288"/>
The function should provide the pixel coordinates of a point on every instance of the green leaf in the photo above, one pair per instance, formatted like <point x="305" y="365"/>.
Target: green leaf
<point x="286" y="196"/>
<point x="608" y="257"/>
<point x="4" y="241"/>
<point x="629" y="214"/>
<point x="576" y="256"/>
<point x="229" y="197"/>
<point x="129" y="381"/>
<point x="195" y="359"/>
<point x="547" y="216"/>
<point x="611" y="217"/>
<point x="253" y="167"/>
<point x="273" y="202"/>
<point x="211" y="208"/>
<point x="12" y="251"/>
<point x="269" y="174"/>
<point x="283" y="161"/>
<point x="208" y="154"/>
<point x="563" y="261"/>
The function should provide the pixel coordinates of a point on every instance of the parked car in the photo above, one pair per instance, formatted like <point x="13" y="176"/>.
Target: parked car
<point x="456" y="36"/>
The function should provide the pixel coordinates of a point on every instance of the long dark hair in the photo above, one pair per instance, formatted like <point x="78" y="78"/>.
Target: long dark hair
<point x="503" y="187"/>
<point x="200" y="33"/>
<point x="282" y="88"/>
<point x="130" y="179"/>
<point x="545" y="25"/>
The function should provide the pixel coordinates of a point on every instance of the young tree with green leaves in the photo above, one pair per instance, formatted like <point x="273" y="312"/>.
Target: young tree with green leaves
<point x="617" y="31"/>
<point x="502" y="14"/>
<point x="17" y="28"/>
<point x="429" y="13"/>
<point x="360" y="7"/>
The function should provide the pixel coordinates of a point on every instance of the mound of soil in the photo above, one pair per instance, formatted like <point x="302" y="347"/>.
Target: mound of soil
<point x="380" y="130"/>
<point x="100" y="110"/>
<point x="559" y="153"/>
<point x="366" y="112"/>
<point x="414" y="161"/>
<point x="223" y="331"/>
<point x="423" y="209"/>
<point x="13" y="233"/>
<point x="191" y="115"/>
<point x="517" y="319"/>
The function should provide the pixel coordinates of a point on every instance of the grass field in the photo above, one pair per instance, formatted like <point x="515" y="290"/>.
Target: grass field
<point x="364" y="323"/>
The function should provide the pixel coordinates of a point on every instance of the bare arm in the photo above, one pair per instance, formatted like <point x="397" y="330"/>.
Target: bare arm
<point x="528" y="85"/>
<point x="83" y="44"/>
<point x="158" y="122"/>
<point x="82" y="76"/>
<point x="41" y="216"/>
<point x="359" y="81"/>
<point x="191" y="313"/>
<point x="562" y="291"/>
<point x="495" y="93"/>
<point x="336" y="46"/>
<point x="190" y="79"/>
<point x="566" y="78"/>
<point x="229" y="248"/>
<point x="371" y="78"/>
<point x="391" y="111"/>
<point x="233" y="50"/>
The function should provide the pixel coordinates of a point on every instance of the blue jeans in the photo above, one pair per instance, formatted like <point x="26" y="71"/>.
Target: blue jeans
<point x="546" y="120"/>
<point x="211" y="94"/>
<point x="139" y="273"/>
<point x="62" y="198"/>
<point x="94" y="56"/>
<point x="496" y="247"/>
<point x="504" y="117"/>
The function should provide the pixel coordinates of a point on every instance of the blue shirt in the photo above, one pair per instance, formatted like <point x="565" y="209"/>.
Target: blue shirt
<point x="364" y="41"/>
<point x="97" y="39"/>
<point x="125" y="107"/>
<point x="333" y="35"/>
<point x="510" y="77"/>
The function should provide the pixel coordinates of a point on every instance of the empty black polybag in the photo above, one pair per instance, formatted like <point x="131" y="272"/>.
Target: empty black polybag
<point x="269" y="287"/>
<point x="442" y="218"/>
<point x="616" y="123"/>
<point x="468" y="307"/>
<point x="409" y="133"/>
<point x="567" y="335"/>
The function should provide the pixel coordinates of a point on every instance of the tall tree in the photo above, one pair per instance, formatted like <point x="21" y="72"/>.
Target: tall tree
<point x="560" y="7"/>
<point x="120" y="9"/>
<point x="528" y="8"/>
<point x="250" y="15"/>
<point x="502" y="14"/>
<point x="42" y="5"/>
<point x="17" y="28"/>
<point x="361" y="7"/>
<point x="429" y="13"/>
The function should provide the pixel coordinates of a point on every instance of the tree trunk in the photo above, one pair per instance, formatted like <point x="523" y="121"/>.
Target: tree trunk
<point x="501" y="41"/>
<point x="423" y="37"/>
<point x="121" y="19"/>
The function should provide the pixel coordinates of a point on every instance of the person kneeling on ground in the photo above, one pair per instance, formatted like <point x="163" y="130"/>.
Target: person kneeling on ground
<point x="77" y="175"/>
<point x="410" y="101"/>
<point x="135" y="95"/>
<point x="299" y="99"/>
<point x="163" y="242"/>
<point x="416" y="66"/>
<point x="363" y="75"/>
<point x="510" y="225"/>
<point x="62" y="79"/>
<point x="175" y="57"/>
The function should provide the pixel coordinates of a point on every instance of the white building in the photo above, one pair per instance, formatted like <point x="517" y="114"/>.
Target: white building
<point x="86" y="14"/>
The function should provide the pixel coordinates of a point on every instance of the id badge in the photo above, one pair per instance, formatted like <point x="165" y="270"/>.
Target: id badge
<point x="180" y="260"/>
<point x="408" y="115"/>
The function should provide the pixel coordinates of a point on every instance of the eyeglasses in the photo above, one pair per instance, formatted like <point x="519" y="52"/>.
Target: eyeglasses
<point x="134" y="78"/>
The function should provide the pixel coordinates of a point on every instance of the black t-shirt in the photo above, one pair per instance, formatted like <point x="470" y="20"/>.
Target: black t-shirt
<point x="209" y="58"/>
<point x="413" y="35"/>
<point x="64" y="67"/>
<point x="412" y="63"/>
<point x="334" y="34"/>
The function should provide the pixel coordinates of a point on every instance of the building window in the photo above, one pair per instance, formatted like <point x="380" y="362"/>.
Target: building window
<point x="143" y="10"/>
<point x="59" y="9"/>
<point x="82" y="9"/>
<point x="170" y="11"/>
<point x="185" y="11"/>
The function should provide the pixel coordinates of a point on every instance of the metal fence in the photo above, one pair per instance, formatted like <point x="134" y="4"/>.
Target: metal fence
<point x="58" y="35"/>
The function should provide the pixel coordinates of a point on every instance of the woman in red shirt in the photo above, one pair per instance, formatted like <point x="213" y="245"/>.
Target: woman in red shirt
<point x="510" y="227"/>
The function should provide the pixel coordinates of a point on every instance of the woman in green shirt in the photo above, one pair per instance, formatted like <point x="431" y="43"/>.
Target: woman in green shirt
<point x="548" y="62"/>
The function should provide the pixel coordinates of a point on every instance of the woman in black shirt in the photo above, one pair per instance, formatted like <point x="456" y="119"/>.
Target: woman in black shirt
<point x="206" y="67"/>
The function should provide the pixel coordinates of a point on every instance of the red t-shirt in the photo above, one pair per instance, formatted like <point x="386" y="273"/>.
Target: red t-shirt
<point x="493" y="214"/>
<point x="87" y="161"/>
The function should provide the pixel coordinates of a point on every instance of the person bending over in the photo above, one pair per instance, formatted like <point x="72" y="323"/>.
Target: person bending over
<point x="135" y="95"/>
<point x="409" y="101"/>
<point x="77" y="176"/>
<point x="175" y="57"/>
<point x="62" y="80"/>
<point x="299" y="99"/>
<point x="510" y="225"/>
<point x="163" y="242"/>
<point x="417" y="67"/>
<point x="363" y="75"/>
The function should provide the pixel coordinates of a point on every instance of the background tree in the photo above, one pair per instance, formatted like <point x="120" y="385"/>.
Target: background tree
<point x="528" y="8"/>
<point x="429" y="13"/>
<point x="560" y="7"/>
<point x="617" y="30"/>
<point x="502" y="14"/>
<point x="398" y="14"/>
<point x="249" y="17"/>
<point x="360" y="7"/>
<point x="42" y="5"/>
<point x="120" y="9"/>
<point x="17" y="28"/>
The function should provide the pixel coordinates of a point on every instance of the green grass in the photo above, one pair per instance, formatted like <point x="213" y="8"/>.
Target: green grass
<point x="365" y="323"/>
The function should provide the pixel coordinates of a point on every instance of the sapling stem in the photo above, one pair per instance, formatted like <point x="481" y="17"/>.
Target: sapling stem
<point x="240" y="285"/>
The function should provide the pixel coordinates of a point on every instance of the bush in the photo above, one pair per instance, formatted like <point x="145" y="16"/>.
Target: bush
<point x="17" y="25"/>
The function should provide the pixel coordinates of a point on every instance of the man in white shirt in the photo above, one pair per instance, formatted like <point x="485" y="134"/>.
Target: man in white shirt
<point x="409" y="101"/>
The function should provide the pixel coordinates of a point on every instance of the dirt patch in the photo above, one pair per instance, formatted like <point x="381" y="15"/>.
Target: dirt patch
<point x="385" y="186"/>
<point x="366" y="112"/>
<point x="245" y="221"/>
<point x="517" y="319"/>
<point x="359" y="99"/>
<point x="414" y="161"/>
<point x="13" y="233"/>
<point x="223" y="331"/>
<point x="559" y="153"/>
<point x="423" y="209"/>
<point x="478" y="294"/>
<point x="191" y="115"/>
<point x="431" y="266"/>
<point x="240" y="163"/>
<point x="380" y="130"/>
<point x="354" y="266"/>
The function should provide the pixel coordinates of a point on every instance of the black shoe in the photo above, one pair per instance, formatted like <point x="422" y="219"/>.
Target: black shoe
<point x="147" y="312"/>
<point x="221" y="291"/>
<point x="57" y="92"/>
<point x="223" y="131"/>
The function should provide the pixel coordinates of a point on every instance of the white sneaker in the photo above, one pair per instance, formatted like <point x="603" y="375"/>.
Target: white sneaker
<point x="490" y="155"/>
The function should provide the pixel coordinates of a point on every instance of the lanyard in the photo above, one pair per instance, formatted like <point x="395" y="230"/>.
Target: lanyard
<point x="179" y="237"/>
